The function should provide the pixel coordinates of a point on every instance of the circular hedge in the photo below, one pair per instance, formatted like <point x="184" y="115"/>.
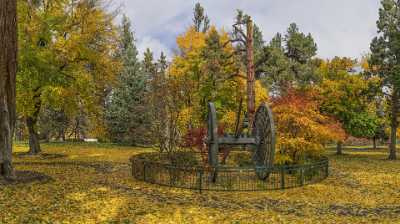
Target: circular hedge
<point x="185" y="170"/>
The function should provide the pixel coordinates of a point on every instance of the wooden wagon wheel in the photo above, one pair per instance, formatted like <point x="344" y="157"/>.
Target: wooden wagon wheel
<point x="264" y="134"/>
<point x="212" y="140"/>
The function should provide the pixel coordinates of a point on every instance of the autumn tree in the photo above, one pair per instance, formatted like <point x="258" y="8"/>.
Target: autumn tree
<point x="53" y="123"/>
<point x="205" y="71"/>
<point x="218" y="73"/>
<point x="385" y="62"/>
<point x="213" y="66"/>
<point x="66" y="60"/>
<point x="349" y="98"/>
<point x="159" y="100"/>
<point x="185" y="72"/>
<point x="207" y="67"/>
<point x="301" y="128"/>
<point x="380" y="101"/>
<point x="8" y="69"/>
<point x="95" y="66"/>
<point x="37" y="61"/>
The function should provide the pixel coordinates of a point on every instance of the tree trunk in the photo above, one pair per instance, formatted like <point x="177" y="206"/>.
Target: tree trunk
<point x="339" y="148"/>
<point x="374" y="143"/>
<point x="8" y="70"/>
<point x="34" y="145"/>
<point x="61" y="134"/>
<point x="45" y="136"/>
<point x="250" y="75"/>
<point x="31" y="123"/>
<point x="393" y="125"/>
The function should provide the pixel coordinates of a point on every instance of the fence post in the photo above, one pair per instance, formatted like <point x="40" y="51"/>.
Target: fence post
<point x="327" y="169"/>
<point x="283" y="177"/>
<point x="133" y="168"/>
<point x="200" y="174"/>
<point x="302" y="176"/>
<point x="144" y="171"/>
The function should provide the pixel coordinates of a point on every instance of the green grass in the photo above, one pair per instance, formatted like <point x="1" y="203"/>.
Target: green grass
<point x="91" y="183"/>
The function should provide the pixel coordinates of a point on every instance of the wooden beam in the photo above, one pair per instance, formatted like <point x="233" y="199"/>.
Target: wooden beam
<point x="236" y="141"/>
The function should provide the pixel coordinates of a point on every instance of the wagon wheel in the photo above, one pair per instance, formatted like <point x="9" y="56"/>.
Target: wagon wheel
<point x="212" y="140"/>
<point x="264" y="134"/>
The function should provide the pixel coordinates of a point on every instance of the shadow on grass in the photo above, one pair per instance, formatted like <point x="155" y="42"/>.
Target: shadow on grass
<point x="357" y="156"/>
<point x="101" y="167"/>
<point x="364" y="156"/>
<point x="79" y="144"/>
<point x="360" y="149"/>
<point x="39" y="156"/>
<point x="26" y="177"/>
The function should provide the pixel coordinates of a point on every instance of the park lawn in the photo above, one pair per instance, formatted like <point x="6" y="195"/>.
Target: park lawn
<point x="91" y="183"/>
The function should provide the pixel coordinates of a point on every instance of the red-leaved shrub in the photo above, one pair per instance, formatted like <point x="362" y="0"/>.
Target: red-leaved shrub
<point x="196" y="139"/>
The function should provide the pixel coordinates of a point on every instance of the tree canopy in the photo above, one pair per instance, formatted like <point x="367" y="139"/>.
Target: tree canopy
<point x="81" y="75"/>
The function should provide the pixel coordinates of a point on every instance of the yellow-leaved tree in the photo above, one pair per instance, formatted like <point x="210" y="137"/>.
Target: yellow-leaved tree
<point x="208" y="70"/>
<point x="66" y="63"/>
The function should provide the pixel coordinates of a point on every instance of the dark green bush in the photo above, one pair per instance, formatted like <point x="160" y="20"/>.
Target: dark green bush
<point x="188" y="159"/>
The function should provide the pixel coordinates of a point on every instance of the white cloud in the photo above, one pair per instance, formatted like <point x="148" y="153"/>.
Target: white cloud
<point x="154" y="44"/>
<point x="340" y="27"/>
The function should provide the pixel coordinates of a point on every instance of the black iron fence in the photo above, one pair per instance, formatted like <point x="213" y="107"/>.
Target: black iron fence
<point x="227" y="178"/>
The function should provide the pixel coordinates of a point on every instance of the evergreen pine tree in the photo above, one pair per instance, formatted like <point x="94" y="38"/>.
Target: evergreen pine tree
<point x="126" y="115"/>
<point x="200" y="19"/>
<point x="385" y="62"/>
<point x="300" y="48"/>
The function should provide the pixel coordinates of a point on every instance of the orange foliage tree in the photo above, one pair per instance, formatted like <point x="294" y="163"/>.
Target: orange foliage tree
<point x="301" y="128"/>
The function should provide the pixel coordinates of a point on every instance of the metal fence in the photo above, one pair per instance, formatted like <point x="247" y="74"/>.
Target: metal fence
<point x="227" y="178"/>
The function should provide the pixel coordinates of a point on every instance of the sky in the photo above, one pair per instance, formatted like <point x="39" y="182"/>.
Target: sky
<point x="339" y="27"/>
